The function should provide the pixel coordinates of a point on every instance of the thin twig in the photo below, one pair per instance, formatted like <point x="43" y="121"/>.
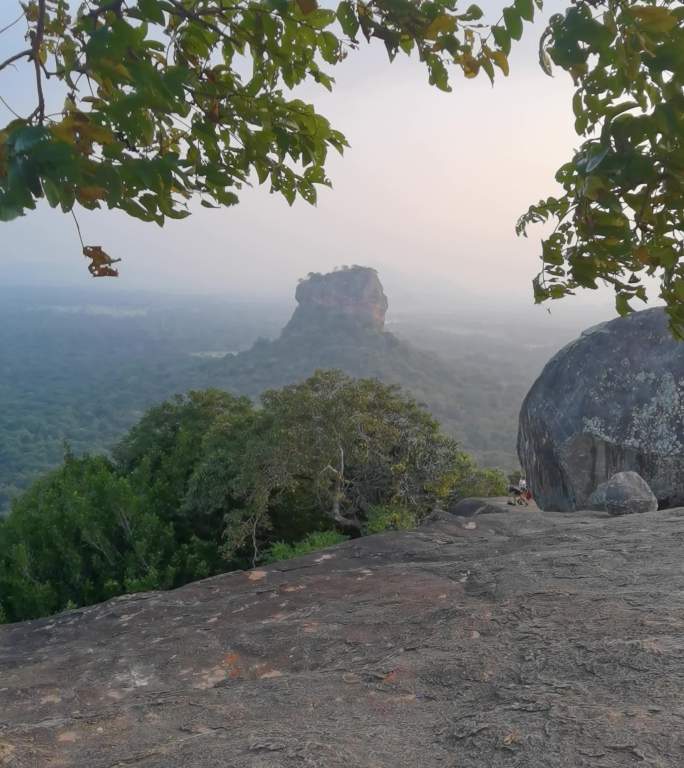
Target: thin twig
<point x="10" y="108"/>
<point x="12" y="23"/>
<point x="78" y="228"/>
<point x="37" y="40"/>
<point x="16" y="56"/>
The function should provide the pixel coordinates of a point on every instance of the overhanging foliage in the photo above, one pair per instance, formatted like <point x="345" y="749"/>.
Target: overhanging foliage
<point x="161" y="100"/>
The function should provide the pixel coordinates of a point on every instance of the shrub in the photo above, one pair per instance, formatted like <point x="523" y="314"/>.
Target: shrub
<point x="281" y="550"/>
<point x="389" y="517"/>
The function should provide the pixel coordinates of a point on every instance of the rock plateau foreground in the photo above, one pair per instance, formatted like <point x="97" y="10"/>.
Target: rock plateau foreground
<point x="509" y="639"/>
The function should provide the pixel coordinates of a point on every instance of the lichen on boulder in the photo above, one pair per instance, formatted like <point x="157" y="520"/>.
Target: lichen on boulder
<point x="609" y="402"/>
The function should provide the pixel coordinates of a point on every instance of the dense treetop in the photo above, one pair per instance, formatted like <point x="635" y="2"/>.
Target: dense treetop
<point x="142" y="104"/>
<point x="206" y="483"/>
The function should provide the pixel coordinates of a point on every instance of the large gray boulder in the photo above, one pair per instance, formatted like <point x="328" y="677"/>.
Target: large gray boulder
<point x="626" y="493"/>
<point x="611" y="401"/>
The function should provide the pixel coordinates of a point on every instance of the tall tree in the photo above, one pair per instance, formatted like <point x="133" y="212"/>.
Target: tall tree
<point x="79" y="536"/>
<point x="161" y="453"/>
<point x="205" y="483"/>
<point x="342" y="444"/>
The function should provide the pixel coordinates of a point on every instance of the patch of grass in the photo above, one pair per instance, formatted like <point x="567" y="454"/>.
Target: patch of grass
<point x="388" y="517"/>
<point x="281" y="550"/>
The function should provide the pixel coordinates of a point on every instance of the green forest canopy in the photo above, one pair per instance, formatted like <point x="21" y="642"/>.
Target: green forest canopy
<point x="83" y="373"/>
<point x="163" y="100"/>
<point x="206" y="483"/>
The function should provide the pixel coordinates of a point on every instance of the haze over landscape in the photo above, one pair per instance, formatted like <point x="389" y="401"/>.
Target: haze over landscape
<point x="295" y="486"/>
<point x="428" y="194"/>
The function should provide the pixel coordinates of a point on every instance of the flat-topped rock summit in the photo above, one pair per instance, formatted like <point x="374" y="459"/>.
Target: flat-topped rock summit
<point x="350" y="296"/>
<point x="339" y="323"/>
<point x="511" y="639"/>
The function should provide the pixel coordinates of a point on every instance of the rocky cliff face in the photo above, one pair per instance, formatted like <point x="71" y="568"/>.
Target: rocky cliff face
<point x="338" y="323"/>
<point x="611" y="401"/>
<point x="349" y="297"/>
<point x="512" y="639"/>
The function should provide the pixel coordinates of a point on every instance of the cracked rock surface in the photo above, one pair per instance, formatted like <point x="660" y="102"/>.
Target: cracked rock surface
<point x="521" y="639"/>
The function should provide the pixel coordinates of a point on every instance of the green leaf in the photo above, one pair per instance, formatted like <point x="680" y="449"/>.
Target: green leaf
<point x="152" y="10"/>
<point x="406" y="44"/>
<point x="278" y="5"/>
<point x="473" y="13"/>
<point x="513" y="23"/>
<point x="525" y="8"/>
<point x="27" y="137"/>
<point x="321" y="18"/>
<point x="347" y="18"/>
<point x="678" y="287"/>
<point x="307" y="191"/>
<point x="52" y="192"/>
<point x="438" y="74"/>
<point x="596" y="158"/>
<point x="577" y="104"/>
<point x="622" y="304"/>
<point x="488" y="67"/>
<point x="67" y="199"/>
<point x="329" y="47"/>
<point x="502" y="38"/>
<point x="9" y="210"/>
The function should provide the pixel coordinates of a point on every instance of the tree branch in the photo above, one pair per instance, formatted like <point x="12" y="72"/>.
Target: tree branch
<point x="12" y="23"/>
<point x="185" y="13"/>
<point x="37" y="40"/>
<point x="125" y="522"/>
<point x="7" y="106"/>
<point x="14" y="58"/>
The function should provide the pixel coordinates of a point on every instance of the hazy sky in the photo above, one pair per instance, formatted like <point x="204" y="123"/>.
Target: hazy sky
<point x="428" y="193"/>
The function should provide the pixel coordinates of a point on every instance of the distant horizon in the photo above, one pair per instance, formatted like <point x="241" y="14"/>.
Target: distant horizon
<point x="407" y="302"/>
<point x="428" y="194"/>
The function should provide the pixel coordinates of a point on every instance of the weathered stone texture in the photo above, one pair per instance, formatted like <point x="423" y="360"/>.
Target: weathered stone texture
<point x="626" y="493"/>
<point x="611" y="401"/>
<point x="472" y="507"/>
<point x="515" y="640"/>
<point x="352" y="296"/>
